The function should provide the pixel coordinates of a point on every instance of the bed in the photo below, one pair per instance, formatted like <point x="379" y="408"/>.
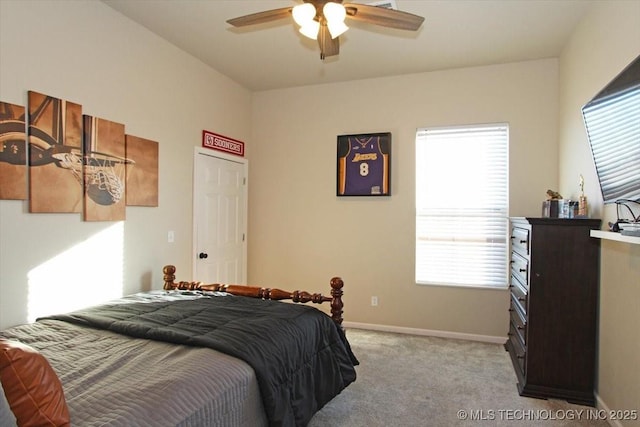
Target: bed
<point x="192" y="354"/>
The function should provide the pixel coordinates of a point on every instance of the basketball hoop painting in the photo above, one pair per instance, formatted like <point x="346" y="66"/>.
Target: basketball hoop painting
<point x="222" y="143"/>
<point x="104" y="169"/>
<point x="13" y="152"/>
<point x="55" y="154"/>
<point x="64" y="161"/>
<point x="141" y="171"/>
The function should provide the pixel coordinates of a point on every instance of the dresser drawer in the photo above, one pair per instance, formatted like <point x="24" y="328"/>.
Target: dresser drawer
<point x="518" y="322"/>
<point x="518" y="353"/>
<point x="519" y="294"/>
<point x="520" y="240"/>
<point x="520" y="268"/>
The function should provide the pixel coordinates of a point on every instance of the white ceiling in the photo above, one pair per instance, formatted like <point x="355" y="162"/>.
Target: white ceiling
<point x="456" y="33"/>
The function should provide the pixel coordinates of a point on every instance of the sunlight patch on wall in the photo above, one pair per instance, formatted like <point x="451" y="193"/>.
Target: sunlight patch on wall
<point x="89" y="273"/>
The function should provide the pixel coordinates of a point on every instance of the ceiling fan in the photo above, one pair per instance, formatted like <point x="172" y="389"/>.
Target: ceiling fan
<point x="323" y="20"/>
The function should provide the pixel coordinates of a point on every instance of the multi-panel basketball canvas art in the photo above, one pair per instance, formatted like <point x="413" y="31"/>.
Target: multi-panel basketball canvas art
<point x="13" y="152"/>
<point x="55" y="154"/>
<point x="104" y="170"/>
<point x="142" y="176"/>
<point x="73" y="163"/>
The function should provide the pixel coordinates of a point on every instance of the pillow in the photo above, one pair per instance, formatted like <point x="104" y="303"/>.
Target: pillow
<point x="6" y="416"/>
<point x="31" y="387"/>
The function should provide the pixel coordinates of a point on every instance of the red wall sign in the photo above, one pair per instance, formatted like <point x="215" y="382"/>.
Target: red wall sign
<point x="222" y="143"/>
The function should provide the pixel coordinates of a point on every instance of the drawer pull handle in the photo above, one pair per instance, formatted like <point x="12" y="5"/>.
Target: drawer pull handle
<point x="520" y="356"/>
<point x="520" y="328"/>
<point x="522" y="270"/>
<point x="521" y="299"/>
<point x="522" y="242"/>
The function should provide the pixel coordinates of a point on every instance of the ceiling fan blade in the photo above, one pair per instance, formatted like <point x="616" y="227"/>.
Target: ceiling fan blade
<point x="382" y="16"/>
<point x="261" y="17"/>
<point x="328" y="46"/>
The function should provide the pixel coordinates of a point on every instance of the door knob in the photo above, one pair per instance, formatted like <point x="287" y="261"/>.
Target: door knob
<point x="202" y="255"/>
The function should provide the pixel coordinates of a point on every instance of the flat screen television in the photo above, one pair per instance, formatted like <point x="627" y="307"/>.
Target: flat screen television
<point x="612" y="121"/>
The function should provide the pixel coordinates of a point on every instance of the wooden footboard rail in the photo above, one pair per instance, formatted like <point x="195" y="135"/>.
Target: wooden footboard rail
<point x="264" y="293"/>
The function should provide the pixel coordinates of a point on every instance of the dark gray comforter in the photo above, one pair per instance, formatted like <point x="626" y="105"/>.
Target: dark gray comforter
<point x="301" y="358"/>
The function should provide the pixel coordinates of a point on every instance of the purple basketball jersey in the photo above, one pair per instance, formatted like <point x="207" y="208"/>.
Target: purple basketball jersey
<point x="366" y="166"/>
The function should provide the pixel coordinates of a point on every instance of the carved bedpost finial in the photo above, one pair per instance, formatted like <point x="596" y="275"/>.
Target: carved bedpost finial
<point x="336" y="302"/>
<point x="169" y="276"/>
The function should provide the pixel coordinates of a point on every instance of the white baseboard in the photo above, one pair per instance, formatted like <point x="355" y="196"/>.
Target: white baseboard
<point x="601" y="405"/>
<point x="426" y="332"/>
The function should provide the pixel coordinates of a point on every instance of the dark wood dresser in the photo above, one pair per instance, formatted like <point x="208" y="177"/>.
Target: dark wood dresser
<point x="555" y="271"/>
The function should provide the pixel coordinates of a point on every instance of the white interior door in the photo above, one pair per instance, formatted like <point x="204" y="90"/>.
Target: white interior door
<point x="220" y="218"/>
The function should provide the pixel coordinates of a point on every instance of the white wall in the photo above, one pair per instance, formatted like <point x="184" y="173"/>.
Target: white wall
<point x="86" y="52"/>
<point x="605" y="42"/>
<point x="370" y="241"/>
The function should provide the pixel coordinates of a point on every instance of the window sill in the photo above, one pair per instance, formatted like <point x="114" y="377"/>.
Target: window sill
<point x="459" y="286"/>
<point x="610" y="235"/>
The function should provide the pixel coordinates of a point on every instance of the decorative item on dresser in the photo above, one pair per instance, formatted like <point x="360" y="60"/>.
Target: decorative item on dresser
<point x="554" y="307"/>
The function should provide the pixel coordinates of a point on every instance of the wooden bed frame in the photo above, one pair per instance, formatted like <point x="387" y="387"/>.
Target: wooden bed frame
<point x="264" y="293"/>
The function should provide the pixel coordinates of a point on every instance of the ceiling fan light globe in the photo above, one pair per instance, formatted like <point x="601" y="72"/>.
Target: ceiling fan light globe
<point x="310" y="29"/>
<point x="303" y="13"/>
<point x="334" y="12"/>
<point x="336" y="28"/>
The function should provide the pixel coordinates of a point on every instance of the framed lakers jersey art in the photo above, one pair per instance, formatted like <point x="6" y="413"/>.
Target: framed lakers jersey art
<point x="364" y="165"/>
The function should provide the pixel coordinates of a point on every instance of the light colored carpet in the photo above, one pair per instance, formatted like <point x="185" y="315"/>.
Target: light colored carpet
<point x="407" y="380"/>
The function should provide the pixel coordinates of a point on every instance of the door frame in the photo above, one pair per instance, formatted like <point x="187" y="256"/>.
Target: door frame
<point x="232" y="158"/>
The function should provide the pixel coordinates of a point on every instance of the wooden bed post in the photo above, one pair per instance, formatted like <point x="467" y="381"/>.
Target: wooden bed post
<point x="336" y="300"/>
<point x="169" y="277"/>
<point x="264" y="293"/>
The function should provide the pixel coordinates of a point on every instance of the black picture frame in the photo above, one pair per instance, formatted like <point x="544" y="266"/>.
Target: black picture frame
<point x="363" y="166"/>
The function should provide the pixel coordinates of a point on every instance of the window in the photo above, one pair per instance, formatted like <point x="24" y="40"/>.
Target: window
<point x="462" y="205"/>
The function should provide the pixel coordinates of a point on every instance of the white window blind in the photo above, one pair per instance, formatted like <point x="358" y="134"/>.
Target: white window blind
<point x="613" y="125"/>
<point x="462" y="205"/>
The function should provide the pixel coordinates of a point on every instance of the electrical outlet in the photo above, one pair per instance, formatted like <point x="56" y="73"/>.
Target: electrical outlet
<point x="171" y="237"/>
<point x="374" y="301"/>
